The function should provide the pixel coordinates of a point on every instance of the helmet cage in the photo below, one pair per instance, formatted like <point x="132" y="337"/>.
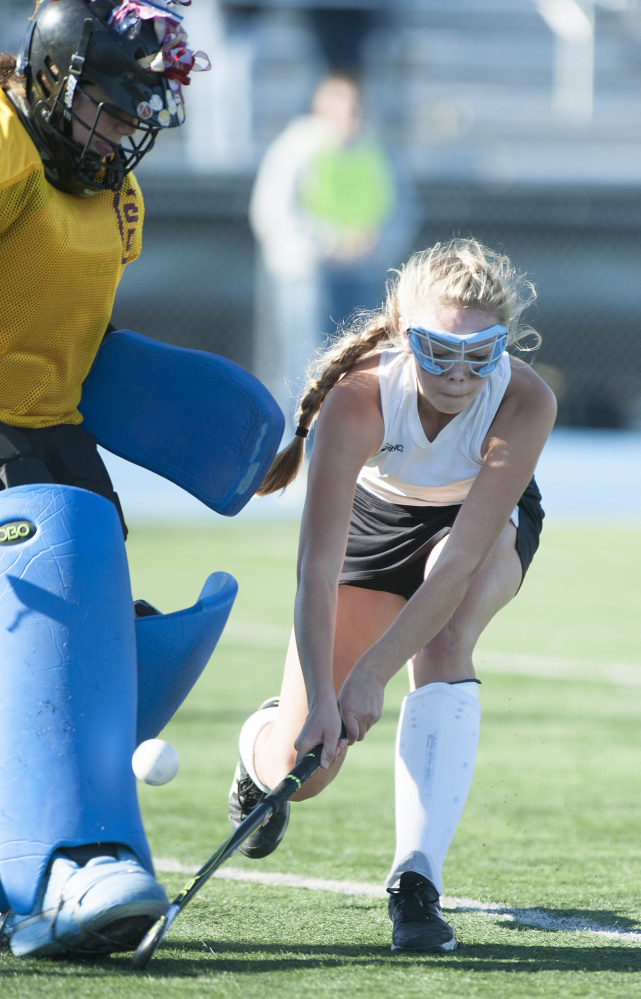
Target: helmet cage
<point x="95" y="172"/>
<point x="437" y="351"/>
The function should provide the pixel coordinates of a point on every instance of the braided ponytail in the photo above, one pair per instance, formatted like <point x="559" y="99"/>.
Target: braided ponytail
<point x="323" y="374"/>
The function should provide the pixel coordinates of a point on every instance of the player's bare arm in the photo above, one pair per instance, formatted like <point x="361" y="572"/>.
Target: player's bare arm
<point x="350" y="430"/>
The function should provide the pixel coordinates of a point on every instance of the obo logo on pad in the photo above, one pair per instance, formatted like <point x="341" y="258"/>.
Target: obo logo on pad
<point x="16" y="531"/>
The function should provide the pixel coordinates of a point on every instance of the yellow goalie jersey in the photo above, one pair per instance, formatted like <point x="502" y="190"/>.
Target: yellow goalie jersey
<point x="61" y="258"/>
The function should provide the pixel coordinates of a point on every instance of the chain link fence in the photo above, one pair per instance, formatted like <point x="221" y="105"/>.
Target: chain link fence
<point x="194" y="283"/>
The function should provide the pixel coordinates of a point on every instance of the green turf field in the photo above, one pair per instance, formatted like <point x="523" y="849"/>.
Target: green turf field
<point x="549" y="837"/>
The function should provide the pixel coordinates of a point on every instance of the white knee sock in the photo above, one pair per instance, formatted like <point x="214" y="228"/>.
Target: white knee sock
<point x="436" y="747"/>
<point x="247" y="741"/>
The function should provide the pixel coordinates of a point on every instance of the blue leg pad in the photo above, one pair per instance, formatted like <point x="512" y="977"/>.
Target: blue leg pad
<point x="68" y="683"/>
<point x="199" y="420"/>
<point x="173" y="650"/>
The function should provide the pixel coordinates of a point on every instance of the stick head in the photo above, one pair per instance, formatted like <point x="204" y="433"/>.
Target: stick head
<point x="303" y="770"/>
<point x="150" y="941"/>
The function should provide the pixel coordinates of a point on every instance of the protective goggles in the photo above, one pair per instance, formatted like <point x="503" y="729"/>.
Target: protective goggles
<point x="437" y="351"/>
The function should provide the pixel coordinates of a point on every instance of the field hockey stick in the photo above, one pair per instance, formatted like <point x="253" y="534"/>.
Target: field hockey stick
<point x="304" y="769"/>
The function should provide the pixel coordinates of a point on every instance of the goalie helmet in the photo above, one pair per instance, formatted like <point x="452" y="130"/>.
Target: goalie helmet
<point x="134" y="51"/>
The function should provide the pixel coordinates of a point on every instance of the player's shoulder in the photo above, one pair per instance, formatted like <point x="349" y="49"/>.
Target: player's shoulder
<point x="354" y="402"/>
<point x="361" y="383"/>
<point x="350" y="423"/>
<point x="131" y="185"/>
<point x="527" y="390"/>
<point x="18" y="154"/>
<point x="131" y="190"/>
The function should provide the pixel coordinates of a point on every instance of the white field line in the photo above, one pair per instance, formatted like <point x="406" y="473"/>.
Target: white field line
<point x="552" y="668"/>
<point x="266" y="636"/>
<point x="536" y="918"/>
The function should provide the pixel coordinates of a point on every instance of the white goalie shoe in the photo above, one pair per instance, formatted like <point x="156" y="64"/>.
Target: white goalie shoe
<point x="106" y="905"/>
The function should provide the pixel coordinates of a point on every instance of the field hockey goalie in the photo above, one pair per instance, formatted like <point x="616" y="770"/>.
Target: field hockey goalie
<point x="84" y="680"/>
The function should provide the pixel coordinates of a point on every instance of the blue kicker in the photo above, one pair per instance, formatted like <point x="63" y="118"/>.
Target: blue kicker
<point x="195" y="418"/>
<point x="173" y="650"/>
<point x="67" y="685"/>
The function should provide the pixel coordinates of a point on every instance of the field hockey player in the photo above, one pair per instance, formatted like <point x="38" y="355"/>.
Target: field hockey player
<point x="421" y="518"/>
<point x="84" y="677"/>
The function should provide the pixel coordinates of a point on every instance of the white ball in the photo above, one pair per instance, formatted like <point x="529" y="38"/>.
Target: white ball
<point x="155" y="762"/>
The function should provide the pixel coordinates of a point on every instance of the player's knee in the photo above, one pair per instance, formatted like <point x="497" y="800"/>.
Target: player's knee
<point x="452" y="642"/>
<point x="319" y="781"/>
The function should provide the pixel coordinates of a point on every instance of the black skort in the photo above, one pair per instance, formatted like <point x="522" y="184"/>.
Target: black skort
<point x="388" y="544"/>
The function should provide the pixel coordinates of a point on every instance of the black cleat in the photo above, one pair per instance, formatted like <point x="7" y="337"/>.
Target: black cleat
<point x="244" y="795"/>
<point x="416" y="916"/>
<point x="243" y="798"/>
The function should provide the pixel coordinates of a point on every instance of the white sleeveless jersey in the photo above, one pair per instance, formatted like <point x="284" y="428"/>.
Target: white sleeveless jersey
<point x="413" y="471"/>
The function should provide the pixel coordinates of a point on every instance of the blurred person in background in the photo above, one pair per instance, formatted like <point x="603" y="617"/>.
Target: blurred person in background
<point x="331" y="211"/>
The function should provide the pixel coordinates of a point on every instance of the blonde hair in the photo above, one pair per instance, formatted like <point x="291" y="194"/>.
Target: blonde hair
<point x="461" y="272"/>
<point x="9" y="79"/>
